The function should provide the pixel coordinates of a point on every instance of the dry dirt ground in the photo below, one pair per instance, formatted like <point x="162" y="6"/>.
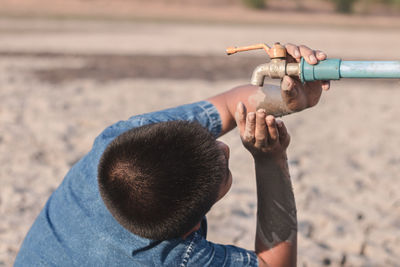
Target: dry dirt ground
<point x="63" y="81"/>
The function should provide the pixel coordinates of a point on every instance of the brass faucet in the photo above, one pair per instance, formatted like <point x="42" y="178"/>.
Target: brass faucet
<point x="277" y="68"/>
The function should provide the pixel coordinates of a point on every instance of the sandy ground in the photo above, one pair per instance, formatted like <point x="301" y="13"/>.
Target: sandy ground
<point x="62" y="82"/>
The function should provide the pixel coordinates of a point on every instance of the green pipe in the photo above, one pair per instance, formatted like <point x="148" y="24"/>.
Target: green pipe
<point x="335" y="69"/>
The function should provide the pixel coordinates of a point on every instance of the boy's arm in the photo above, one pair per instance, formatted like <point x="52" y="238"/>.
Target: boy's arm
<point x="293" y="97"/>
<point x="276" y="234"/>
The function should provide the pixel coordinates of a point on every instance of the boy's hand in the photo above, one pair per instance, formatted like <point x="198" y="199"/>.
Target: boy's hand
<point x="262" y="135"/>
<point x="297" y="95"/>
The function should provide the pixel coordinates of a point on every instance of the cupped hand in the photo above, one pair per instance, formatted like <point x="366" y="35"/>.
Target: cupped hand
<point x="262" y="135"/>
<point x="299" y="96"/>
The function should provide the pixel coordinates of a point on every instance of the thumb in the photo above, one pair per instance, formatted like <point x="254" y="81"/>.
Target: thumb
<point x="288" y="88"/>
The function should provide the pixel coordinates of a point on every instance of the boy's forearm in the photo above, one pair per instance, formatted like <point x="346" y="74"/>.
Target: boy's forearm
<point x="253" y="97"/>
<point x="276" y="236"/>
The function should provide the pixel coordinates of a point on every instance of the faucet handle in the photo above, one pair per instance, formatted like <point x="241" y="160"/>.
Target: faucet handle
<point x="277" y="51"/>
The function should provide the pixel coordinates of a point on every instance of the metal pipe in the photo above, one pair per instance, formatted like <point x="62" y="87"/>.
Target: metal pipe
<point x="370" y="69"/>
<point x="335" y="69"/>
<point x="293" y="69"/>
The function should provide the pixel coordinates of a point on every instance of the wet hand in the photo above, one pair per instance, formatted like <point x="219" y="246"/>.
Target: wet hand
<point x="261" y="134"/>
<point x="299" y="96"/>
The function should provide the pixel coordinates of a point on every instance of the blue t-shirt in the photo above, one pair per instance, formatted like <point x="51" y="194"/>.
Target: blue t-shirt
<point x="76" y="229"/>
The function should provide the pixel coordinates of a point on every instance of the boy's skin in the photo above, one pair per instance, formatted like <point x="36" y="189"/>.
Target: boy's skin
<point x="267" y="139"/>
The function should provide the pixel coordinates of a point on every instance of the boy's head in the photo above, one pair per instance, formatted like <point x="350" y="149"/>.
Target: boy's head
<point x="159" y="180"/>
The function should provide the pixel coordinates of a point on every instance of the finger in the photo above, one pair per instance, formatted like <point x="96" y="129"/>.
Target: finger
<point x="248" y="135"/>
<point x="294" y="51"/>
<point x="281" y="129"/>
<point x="320" y="55"/>
<point x="272" y="129"/>
<point x="261" y="128"/>
<point x="308" y="54"/>
<point x="326" y="85"/>
<point x="288" y="87"/>
<point x="240" y="116"/>
<point x="284" y="137"/>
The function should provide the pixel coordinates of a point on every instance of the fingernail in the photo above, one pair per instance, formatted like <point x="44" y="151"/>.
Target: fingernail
<point x="297" y="53"/>
<point x="261" y="110"/>
<point x="271" y="120"/>
<point x="313" y="59"/>
<point x="240" y="107"/>
<point x="321" y="54"/>
<point x="325" y="85"/>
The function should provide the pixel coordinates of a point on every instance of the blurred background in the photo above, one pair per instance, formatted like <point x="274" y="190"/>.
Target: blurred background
<point x="68" y="69"/>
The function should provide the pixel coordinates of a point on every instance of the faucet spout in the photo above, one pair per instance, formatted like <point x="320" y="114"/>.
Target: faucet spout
<point x="259" y="74"/>
<point x="275" y="69"/>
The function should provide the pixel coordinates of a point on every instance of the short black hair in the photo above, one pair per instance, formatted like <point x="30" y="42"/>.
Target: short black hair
<point x="159" y="180"/>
